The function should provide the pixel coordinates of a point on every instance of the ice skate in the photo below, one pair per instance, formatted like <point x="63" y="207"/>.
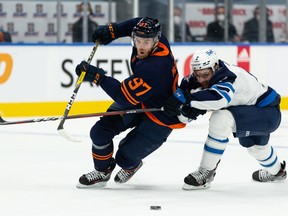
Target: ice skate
<point x="124" y="175"/>
<point x="200" y="179"/>
<point x="96" y="179"/>
<point x="265" y="176"/>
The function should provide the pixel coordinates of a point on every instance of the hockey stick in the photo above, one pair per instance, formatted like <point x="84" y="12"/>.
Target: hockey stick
<point x="60" y="127"/>
<point x="111" y="113"/>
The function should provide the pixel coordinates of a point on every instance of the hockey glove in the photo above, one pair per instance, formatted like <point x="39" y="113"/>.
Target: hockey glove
<point x="178" y="104"/>
<point x="173" y="104"/>
<point x="93" y="74"/>
<point x="191" y="112"/>
<point x="105" y="34"/>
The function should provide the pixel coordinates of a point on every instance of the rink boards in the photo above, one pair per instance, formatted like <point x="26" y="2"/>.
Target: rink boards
<point x="38" y="80"/>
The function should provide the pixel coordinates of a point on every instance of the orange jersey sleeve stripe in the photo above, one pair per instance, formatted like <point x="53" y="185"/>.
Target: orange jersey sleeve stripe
<point x="175" y="83"/>
<point x="128" y="95"/>
<point x="100" y="157"/>
<point x="164" y="52"/>
<point x="154" y="119"/>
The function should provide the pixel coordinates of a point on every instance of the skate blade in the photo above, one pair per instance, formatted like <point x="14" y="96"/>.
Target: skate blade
<point x="192" y="187"/>
<point x="94" y="186"/>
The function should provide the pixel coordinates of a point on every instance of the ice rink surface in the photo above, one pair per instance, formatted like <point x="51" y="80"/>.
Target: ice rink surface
<point x="40" y="170"/>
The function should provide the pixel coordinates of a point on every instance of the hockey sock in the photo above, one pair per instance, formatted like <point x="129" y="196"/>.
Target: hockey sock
<point x="102" y="156"/>
<point x="221" y="126"/>
<point x="267" y="157"/>
<point x="213" y="151"/>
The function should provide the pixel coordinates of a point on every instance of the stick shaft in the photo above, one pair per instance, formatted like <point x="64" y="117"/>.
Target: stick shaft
<point x="119" y="112"/>
<point x="78" y="84"/>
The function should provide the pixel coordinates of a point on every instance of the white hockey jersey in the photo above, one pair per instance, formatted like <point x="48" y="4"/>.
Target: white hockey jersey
<point x="230" y="86"/>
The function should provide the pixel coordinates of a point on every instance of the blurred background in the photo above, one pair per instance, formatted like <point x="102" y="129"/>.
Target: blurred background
<point x="59" y="21"/>
<point x="42" y="41"/>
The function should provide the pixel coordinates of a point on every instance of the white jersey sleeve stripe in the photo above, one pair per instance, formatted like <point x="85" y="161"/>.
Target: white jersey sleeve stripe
<point x="227" y="85"/>
<point x="223" y="93"/>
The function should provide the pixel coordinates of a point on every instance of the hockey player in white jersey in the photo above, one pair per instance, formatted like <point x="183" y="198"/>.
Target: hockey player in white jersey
<point x="241" y="105"/>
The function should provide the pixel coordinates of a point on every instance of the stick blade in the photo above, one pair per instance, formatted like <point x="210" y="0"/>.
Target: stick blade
<point x="67" y="136"/>
<point x="2" y="120"/>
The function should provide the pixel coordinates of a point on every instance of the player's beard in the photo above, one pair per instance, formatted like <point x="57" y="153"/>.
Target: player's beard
<point x="142" y="53"/>
<point x="205" y="84"/>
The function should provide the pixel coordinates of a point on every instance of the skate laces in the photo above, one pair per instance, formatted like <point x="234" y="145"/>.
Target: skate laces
<point x="264" y="175"/>
<point x="201" y="174"/>
<point x="95" y="175"/>
<point x="124" y="174"/>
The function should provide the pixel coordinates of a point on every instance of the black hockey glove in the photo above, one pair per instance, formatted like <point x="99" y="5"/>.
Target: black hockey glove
<point x="105" y="34"/>
<point x="178" y="104"/>
<point x="93" y="74"/>
<point x="191" y="112"/>
<point x="173" y="104"/>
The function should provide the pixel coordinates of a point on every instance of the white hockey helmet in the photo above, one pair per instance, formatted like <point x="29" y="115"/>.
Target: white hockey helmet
<point x="203" y="59"/>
